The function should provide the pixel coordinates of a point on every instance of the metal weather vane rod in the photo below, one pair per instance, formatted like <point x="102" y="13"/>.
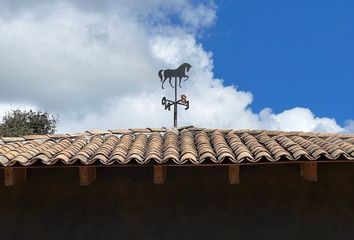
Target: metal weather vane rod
<point x="178" y="74"/>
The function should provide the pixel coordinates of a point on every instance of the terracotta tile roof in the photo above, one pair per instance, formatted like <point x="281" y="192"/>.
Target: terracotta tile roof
<point x="174" y="146"/>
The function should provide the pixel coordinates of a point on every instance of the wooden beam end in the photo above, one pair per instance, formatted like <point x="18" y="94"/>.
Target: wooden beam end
<point x="234" y="174"/>
<point x="14" y="176"/>
<point x="87" y="175"/>
<point x="160" y="173"/>
<point x="309" y="171"/>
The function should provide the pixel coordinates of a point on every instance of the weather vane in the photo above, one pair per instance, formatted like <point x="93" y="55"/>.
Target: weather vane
<point x="178" y="74"/>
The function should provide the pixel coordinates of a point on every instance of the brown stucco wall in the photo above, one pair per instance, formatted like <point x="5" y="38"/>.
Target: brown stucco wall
<point x="272" y="202"/>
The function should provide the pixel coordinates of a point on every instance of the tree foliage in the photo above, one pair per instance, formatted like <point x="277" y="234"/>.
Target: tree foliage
<point x="18" y="123"/>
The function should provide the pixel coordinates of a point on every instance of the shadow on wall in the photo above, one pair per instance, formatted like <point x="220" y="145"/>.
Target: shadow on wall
<point x="271" y="202"/>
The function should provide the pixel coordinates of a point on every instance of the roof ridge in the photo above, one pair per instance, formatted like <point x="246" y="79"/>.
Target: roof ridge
<point x="148" y="130"/>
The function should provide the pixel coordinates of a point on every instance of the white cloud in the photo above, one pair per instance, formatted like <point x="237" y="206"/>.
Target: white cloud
<point x="349" y="126"/>
<point x="200" y="16"/>
<point x="6" y="108"/>
<point x="95" y="66"/>
<point x="298" y="119"/>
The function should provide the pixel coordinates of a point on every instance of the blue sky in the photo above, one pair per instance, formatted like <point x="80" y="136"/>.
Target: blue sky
<point x="276" y="65"/>
<point x="287" y="53"/>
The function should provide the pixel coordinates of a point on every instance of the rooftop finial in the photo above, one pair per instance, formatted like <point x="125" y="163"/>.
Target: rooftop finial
<point x="177" y="74"/>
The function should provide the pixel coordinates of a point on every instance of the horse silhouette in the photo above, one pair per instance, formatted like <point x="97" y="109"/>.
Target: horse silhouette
<point x="179" y="72"/>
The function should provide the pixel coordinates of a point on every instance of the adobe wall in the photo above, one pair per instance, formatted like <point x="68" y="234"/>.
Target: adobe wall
<point x="272" y="202"/>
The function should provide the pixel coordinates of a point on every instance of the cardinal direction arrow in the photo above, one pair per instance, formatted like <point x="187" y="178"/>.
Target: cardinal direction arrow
<point x="167" y="103"/>
<point x="183" y="101"/>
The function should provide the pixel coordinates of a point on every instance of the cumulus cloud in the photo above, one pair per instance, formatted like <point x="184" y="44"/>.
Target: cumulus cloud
<point x="349" y="126"/>
<point x="95" y="63"/>
<point x="298" y="119"/>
